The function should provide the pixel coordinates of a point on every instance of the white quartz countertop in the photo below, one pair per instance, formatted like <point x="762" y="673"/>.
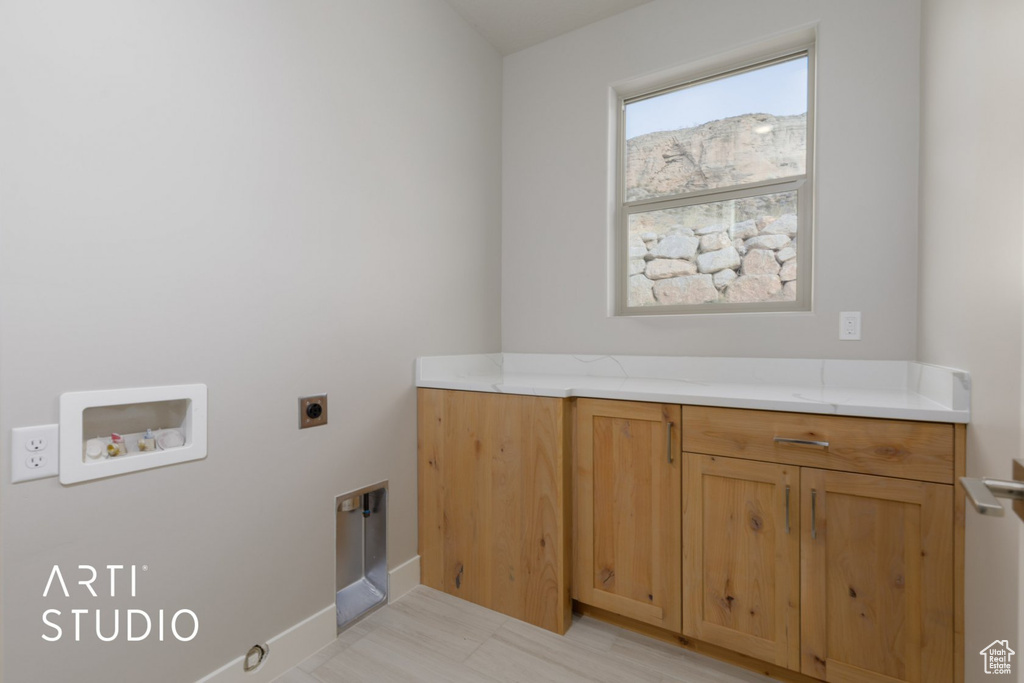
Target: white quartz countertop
<point x="904" y="390"/>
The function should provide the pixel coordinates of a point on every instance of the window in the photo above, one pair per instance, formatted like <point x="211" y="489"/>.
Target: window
<point x="715" y="192"/>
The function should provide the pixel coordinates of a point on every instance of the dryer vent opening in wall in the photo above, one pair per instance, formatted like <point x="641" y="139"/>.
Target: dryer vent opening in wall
<point x="361" y="553"/>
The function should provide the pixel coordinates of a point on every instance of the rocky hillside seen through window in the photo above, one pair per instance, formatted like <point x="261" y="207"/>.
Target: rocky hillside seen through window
<point x="739" y="251"/>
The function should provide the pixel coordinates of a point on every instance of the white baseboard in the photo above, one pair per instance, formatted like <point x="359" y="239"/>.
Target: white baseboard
<point x="287" y="649"/>
<point x="403" y="578"/>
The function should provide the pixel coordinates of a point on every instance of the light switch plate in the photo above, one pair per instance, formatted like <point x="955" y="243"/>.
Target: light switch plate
<point x="34" y="452"/>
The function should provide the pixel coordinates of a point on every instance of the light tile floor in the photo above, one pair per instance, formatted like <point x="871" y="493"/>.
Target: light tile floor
<point x="433" y="637"/>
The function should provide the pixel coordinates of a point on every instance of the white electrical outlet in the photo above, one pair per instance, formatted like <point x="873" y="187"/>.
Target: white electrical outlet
<point x="34" y="452"/>
<point x="849" y="326"/>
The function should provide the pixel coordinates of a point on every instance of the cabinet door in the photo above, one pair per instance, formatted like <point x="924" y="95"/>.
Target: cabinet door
<point x="628" y="510"/>
<point x="877" y="578"/>
<point x="741" y="556"/>
<point x="494" y="503"/>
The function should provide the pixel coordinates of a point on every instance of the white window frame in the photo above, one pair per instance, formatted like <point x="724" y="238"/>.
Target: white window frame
<point x="803" y="185"/>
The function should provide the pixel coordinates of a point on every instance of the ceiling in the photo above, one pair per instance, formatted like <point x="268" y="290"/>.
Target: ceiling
<point x="513" y="25"/>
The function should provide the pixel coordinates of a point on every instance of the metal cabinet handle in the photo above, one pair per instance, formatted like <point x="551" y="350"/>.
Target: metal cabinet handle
<point x="983" y="493"/>
<point x="787" y="509"/>
<point x="814" y="515"/>
<point x="802" y="442"/>
<point x="668" y="440"/>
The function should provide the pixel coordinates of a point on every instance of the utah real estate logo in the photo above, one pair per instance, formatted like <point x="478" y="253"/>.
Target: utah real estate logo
<point x="997" y="657"/>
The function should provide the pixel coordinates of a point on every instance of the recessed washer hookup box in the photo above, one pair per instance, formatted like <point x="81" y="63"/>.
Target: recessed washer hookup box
<point x="116" y="431"/>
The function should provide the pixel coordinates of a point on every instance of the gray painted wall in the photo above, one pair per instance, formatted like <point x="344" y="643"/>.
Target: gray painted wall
<point x="558" y="198"/>
<point x="972" y="279"/>
<point x="175" y="179"/>
<point x="274" y="198"/>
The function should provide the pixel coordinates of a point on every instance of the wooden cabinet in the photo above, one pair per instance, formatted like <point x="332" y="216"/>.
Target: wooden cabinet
<point x="877" y="578"/>
<point x="741" y="556"/>
<point x="804" y="545"/>
<point x="627" y="504"/>
<point x="494" y="502"/>
<point x="861" y="588"/>
<point x="921" y="451"/>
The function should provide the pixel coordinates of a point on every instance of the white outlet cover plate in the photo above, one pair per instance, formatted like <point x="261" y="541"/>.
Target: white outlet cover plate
<point x="849" y="326"/>
<point x="21" y="469"/>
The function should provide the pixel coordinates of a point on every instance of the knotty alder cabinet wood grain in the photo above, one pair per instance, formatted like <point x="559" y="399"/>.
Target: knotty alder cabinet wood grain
<point x="922" y="451"/>
<point x="741" y="556"/>
<point x="494" y="502"/>
<point x="845" y="577"/>
<point x="877" y="578"/>
<point x="627" y="488"/>
<point x="837" y="557"/>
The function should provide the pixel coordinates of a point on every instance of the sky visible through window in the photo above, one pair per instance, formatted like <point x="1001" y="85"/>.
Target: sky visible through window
<point x="780" y="89"/>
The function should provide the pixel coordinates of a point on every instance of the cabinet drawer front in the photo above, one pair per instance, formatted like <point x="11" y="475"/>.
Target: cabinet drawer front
<point x="894" y="448"/>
